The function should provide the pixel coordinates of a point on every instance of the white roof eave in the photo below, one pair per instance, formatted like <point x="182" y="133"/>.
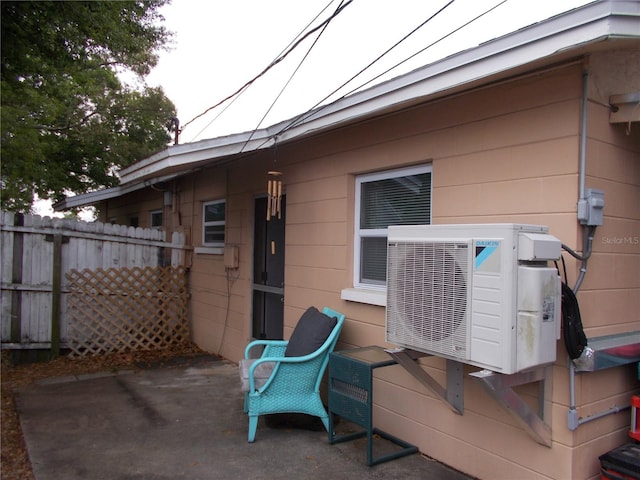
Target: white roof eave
<point x="191" y="155"/>
<point x="549" y="41"/>
<point x="91" y="198"/>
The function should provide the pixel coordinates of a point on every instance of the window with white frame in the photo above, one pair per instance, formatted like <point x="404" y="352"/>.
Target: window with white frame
<point x="156" y="218"/>
<point x="394" y="197"/>
<point x="213" y="221"/>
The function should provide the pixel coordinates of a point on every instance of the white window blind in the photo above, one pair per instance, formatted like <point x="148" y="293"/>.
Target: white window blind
<point x="398" y="197"/>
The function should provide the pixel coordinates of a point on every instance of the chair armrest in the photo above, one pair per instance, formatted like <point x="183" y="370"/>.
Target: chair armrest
<point x="282" y="359"/>
<point x="276" y="361"/>
<point x="270" y="347"/>
<point x="255" y="363"/>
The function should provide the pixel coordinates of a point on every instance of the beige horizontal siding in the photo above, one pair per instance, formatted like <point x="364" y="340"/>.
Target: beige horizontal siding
<point x="503" y="154"/>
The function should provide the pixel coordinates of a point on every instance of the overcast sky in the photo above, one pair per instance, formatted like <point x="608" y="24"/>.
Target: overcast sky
<point x="220" y="45"/>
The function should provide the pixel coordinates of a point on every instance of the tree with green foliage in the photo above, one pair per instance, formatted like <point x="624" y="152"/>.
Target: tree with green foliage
<point x="68" y="120"/>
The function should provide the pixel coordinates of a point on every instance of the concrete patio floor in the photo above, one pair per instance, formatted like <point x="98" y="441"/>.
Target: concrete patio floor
<point x="184" y="421"/>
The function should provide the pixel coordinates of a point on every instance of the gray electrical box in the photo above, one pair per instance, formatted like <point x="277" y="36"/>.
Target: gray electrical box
<point x="231" y="257"/>
<point x="591" y="208"/>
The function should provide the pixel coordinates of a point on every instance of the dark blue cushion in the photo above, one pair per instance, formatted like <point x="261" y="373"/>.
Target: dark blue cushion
<point x="312" y="330"/>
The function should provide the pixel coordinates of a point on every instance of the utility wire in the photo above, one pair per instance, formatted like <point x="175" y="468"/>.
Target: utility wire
<point x="289" y="80"/>
<point x="226" y="107"/>
<point x="311" y="111"/>
<point x="246" y="86"/>
<point x="278" y="59"/>
<point x="427" y="47"/>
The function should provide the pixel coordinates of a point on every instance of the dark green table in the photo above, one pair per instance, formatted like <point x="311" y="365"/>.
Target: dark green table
<point x="351" y="397"/>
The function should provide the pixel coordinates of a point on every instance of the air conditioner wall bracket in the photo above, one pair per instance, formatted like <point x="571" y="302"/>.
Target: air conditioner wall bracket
<point x="499" y="386"/>
<point x="453" y="395"/>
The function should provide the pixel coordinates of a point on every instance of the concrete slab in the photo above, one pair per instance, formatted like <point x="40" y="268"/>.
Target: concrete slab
<point x="183" y="421"/>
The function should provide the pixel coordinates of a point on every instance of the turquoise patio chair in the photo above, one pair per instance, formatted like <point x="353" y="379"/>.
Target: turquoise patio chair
<point x="287" y="376"/>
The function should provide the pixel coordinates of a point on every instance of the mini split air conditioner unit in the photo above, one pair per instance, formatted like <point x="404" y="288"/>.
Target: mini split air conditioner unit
<point x="479" y="294"/>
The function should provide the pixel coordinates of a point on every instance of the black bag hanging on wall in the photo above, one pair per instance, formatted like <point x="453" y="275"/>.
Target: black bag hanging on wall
<point x="574" y="338"/>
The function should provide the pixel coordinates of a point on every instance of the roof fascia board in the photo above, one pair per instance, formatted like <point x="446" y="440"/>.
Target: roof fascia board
<point x="92" y="198"/>
<point x="598" y="21"/>
<point x="554" y="37"/>
<point x="177" y="156"/>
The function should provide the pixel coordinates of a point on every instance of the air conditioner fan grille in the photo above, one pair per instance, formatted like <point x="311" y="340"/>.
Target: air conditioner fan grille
<point x="427" y="295"/>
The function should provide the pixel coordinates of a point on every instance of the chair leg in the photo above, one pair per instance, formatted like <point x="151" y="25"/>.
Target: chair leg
<point x="253" y="425"/>
<point x="325" y="422"/>
<point x="246" y="402"/>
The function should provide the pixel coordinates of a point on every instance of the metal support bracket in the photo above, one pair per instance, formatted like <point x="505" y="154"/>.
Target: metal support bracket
<point x="499" y="386"/>
<point x="453" y="395"/>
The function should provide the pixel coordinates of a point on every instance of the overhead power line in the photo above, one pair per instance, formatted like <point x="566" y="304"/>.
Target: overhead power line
<point x="290" y="78"/>
<point x="427" y="47"/>
<point x="300" y="118"/>
<point x="312" y="110"/>
<point x="278" y="59"/>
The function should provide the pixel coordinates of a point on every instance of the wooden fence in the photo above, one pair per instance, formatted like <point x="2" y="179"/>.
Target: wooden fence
<point x="41" y="257"/>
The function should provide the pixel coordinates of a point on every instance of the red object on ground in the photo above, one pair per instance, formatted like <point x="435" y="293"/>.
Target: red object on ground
<point x="634" y="432"/>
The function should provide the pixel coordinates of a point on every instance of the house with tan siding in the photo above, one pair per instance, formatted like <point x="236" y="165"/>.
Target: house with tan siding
<point x="519" y="130"/>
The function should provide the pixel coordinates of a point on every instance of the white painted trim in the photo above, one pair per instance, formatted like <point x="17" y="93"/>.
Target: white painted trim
<point x="359" y="295"/>
<point x="92" y="198"/>
<point x="209" y="250"/>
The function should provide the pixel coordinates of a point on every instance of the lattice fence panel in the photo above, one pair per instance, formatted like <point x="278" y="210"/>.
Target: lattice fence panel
<point x="124" y="309"/>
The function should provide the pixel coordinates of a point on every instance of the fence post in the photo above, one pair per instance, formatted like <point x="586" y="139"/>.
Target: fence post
<point x="16" y="279"/>
<point x="56" y="294"/>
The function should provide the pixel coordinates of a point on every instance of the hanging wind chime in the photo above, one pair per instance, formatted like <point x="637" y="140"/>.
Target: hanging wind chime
<point x="274" y="195"/>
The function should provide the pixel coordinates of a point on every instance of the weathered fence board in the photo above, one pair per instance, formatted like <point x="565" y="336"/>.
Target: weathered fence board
<point x="29" y="307"/>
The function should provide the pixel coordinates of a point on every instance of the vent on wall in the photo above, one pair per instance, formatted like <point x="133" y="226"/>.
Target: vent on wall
<point x="428" y="285"/>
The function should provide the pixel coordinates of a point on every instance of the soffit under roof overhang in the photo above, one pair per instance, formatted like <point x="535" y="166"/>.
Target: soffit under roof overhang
<point x="601" y="25"/>
<point x="98" y="196"/>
